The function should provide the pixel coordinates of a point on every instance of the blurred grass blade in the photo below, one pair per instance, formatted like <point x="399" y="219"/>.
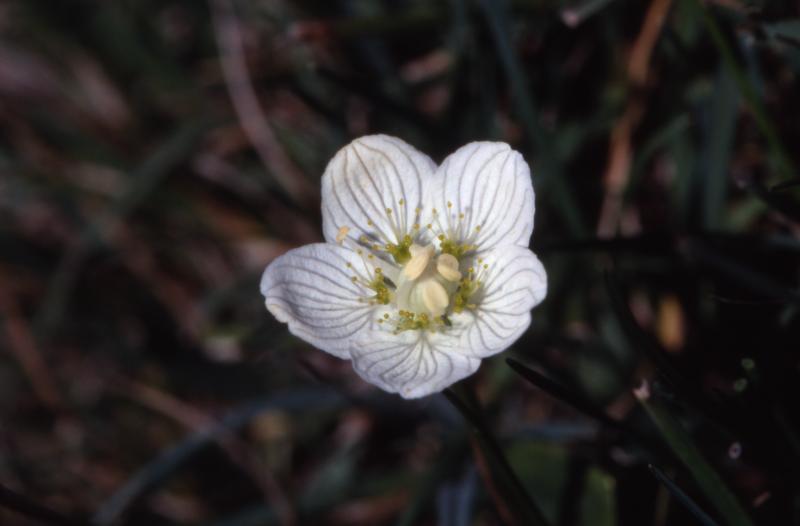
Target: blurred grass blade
<point x="787" y="31"/>
<point x="781" y="158"/>
<point x="755" y="281"/>
<point x="783" y="203"/>
<point x="143" y="181"/>
<point x="719" y="134"/>
<point x="527" y="512"/>
<point x="455" y="500"/>
<point x="151" y="475"/>
<point x="682" y="497"/>
<point x="425" y="490"/>
<point x="683" y="446"/>
<point x="639" y="339"/>
<point x="545" y="165"/>
<point x="785" y="185"/>
<point x="646" y="343"/>
<point x="659" y="140"/>
<point x="559" y="392"/>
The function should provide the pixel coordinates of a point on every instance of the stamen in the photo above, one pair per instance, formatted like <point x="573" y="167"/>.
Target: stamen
<point x="342" y="234"/>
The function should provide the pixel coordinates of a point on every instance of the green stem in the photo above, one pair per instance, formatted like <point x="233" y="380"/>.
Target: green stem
<point x="517" y="498"/>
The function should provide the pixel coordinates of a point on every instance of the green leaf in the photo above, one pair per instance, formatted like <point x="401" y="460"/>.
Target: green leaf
<point x="682" y="445"/>
<point x="682" y="497"/>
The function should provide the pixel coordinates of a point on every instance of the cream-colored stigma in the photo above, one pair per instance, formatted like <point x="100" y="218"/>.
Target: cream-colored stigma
<point x="342" y="234"/>
<point x="447" y="266"/>
<point x="424" y="281"/>
<point x="420" y="257"/>
<point x="434" y="297"/>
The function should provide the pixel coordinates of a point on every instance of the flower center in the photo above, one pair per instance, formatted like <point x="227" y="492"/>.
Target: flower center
<point x="426" y="283"/>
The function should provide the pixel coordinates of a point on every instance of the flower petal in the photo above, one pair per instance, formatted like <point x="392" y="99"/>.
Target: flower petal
<point x="513" y="283"/>
<point x="490" y="184"/>
<point x="311" y="289"/>
<point x="366" y="178"/>
<point x="411" y="363"/>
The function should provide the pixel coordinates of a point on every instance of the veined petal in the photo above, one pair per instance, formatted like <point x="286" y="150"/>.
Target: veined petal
<point x="490" y="184"/>
<point x="513" y="282"/>
<point x="312" y="289"/>
<point x="411" y="363"/>
<point x="366" y="178"/>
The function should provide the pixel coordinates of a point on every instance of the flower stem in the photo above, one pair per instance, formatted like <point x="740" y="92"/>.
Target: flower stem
<point x="502" y="482"/>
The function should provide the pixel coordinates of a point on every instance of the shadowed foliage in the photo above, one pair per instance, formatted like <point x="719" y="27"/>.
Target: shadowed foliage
<point x="156" y="155"/>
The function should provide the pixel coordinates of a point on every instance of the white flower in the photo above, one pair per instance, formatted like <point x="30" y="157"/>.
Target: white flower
<point x="425" y="270"/>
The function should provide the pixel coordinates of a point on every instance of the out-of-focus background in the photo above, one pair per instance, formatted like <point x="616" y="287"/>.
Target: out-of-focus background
<point x="156" y="155"/>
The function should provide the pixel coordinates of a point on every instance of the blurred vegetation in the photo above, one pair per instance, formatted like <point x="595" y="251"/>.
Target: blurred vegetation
<point x="156" y="155"/>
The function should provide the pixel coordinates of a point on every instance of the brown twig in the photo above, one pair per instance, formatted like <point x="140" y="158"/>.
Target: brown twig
<point x="620" y="153"/>
<point x="23" y="346"/>
<point x="227" y="31"/>
<point x="488" y="481"/>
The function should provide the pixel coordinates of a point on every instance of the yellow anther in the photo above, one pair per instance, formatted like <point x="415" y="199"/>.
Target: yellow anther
<point x="389" y="211"/>
<point x="386" y="316"/>
<point x="418" y="210"/>
<point x="401" y="202"/>
<point x="348" y="265"/>
<point x="434" y="211"/>
<point x="416" y="226"/>
<point x="461" y="215"/>
<point x="448" y="246"/>
<point x="354" y="279"/>
<point x="342" y="234"/>
<point x="478" y="228"/>
<point x="449" y="204"/>
<point x="369" y="222"/>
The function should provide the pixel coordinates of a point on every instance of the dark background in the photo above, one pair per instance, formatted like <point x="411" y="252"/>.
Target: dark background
<point x="155" y="155"/>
